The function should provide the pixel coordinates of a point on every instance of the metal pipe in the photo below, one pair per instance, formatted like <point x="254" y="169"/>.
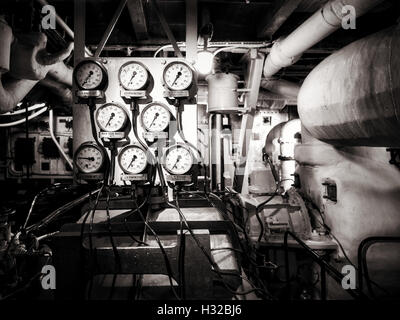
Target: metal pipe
<point x="320" y="25"/>
<point x="110" y="28"/>
<point x="218" y="151"/>
<point x="64" y="26"/>
<point x="286" y="89"/>
<point x="210" y="162"/>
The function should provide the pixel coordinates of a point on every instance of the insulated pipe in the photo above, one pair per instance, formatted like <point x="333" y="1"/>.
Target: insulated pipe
<point x="290" y="137"/>
<point x="320" y="25"/>
<point x="27" y="62"/>
<point x="352" y="98"/>
<point x="12" y="91"/>
<point x="286" y="89"/>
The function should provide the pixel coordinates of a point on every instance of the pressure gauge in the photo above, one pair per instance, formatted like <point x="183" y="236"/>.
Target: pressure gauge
<point x="90" y="75"/>
<point x="133" y="76"/>
<point x="155" y="117"/>
<point x="111" y="117"/>
<point x="178" y="76"/>
<point x="178" y="159"/>
<point x="132" y="159"/>
<point x="89" y="158"/>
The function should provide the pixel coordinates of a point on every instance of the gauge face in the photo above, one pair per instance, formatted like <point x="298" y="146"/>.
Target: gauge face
<point x="133" y="76"/>
<point x="178" y="159"/>
<point x="89" y="158"/>
<point x="132" y="160"/>
<point x="89" y="75"/>
<point x="155" y="117"/>
<point x="178" y="76"/>
<point x="111" y="117"/>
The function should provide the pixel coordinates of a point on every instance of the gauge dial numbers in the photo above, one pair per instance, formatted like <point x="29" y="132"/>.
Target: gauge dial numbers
<point x="178" y="76"/>
<point x="111" y="117"/>
<point x="155" y="117"/>
<point x="178" y="159"/>
<point x="133" y="76"/>
<point x="89" y="158"/>
<point x="132" y="159"/>
<point x="90" y="75"/>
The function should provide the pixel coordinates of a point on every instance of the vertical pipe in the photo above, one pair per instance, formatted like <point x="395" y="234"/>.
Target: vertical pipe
<point x="210" y="154"/>
<point x="218" y="151"/>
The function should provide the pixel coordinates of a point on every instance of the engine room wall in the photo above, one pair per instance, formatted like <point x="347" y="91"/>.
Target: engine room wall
<point x="367" y="201"/>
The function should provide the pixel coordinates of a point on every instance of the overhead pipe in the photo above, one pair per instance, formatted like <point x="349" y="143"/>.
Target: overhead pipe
<point x="324" y="22"/>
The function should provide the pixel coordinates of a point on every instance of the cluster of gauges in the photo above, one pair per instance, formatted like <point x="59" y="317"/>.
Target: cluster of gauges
<point x="133" y="159"/>
<point x="113" y="117"/>
<point x="92" y="75"/>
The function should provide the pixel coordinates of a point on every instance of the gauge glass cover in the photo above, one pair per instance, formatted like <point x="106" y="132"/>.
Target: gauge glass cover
<point x="111" y="117"/>
<point x="89" y="159"/>
<point x="178" y="76"/>
<point x="89" y="75"/>
<point x="178" y="160"/>
<point x="133" y="76"/>
<point x="133" y="160"/>
<point x="155" y="117"/>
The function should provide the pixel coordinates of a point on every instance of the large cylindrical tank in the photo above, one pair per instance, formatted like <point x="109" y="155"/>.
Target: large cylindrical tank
<point x="353" y="97"/>
<point x="222" y="93"/>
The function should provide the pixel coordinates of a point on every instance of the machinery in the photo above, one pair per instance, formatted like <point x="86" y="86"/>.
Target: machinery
<point x="150" y="168"/>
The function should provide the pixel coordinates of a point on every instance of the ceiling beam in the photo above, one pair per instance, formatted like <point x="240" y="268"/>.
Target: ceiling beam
<point x="276" y="17"/>
<point x="138" y="19"/>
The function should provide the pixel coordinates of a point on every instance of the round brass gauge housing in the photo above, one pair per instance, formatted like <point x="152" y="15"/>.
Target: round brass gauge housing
<point x="111" y="117"/>
<point x="178" y="159"/>
<point x="90" y="75"/>
<point x="178" y="76"/>
<point x="155" y="117"/>
<point x="89" y="158"/>
<point x="133" y="76"/>
<point x="133" y="159"/>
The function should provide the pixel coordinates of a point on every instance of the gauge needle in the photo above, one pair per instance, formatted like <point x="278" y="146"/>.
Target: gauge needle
<point x="111" y="117"/>
<point x="177" y="160"/>
<point x="87" y="158"/>
<point x="155" y="117"/>
<point x="133" y="75"/>
<point x="87" y="78"/>
<point x="133" y="160"/>
<point x="177" y="77"/>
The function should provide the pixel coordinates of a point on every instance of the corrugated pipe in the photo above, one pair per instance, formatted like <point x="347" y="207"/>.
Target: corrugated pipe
<point x="320" y="25"/>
